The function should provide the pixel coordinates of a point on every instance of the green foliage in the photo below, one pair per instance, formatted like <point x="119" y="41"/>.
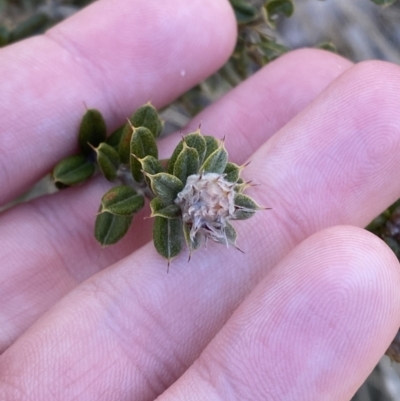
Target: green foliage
<point x="72" y="170"/>
<point x="244" y="12"/>
<point x="275" y="7"/>
<point x="165" y="186"/>
<point x="122" y="201"/>
<point x="194" y="199"/>
<point x="147" y="116"/>
<point x="187" y="163"/>
<point x="195" y="141"/>
<point x="92" y="131"/>
<point x="217" y="161"/>
<point x="232" y="172"/>
<point x="245" y="206"/>
<point x="158" y="208"/>
<point x="110" y="228"/>
<point x="108" y="161"/>
<point x="191" y="201"/>
<point x="143" y="144"/>
<point x="168" y="237"/>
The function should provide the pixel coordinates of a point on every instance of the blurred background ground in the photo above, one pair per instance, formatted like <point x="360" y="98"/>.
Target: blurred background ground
<point x="359" y="29"/>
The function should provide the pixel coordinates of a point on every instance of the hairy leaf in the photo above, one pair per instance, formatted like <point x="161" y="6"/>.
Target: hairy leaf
<point x="165" y="186"/>
<point x="187" y="163"/>
<point x="245" y="207"/>
<point x="232" y="172"/>
<point x="115" y="138"/>
<point x="124" y="147"/>
<point x="122" y="200"/>
<point x="194" y="244"/>
<point x="72" y="170"/>
<point x="244" y="11"/>
<point x="168" y="237"/>
<point x="211" y="145"/>
<point x="230" y="236"/>
<point x="171" y="211"/>
<point x="92" y="131"/>
<point x="194" y="140"/>
<point x="147" y="116"/>
<point x="108" y="161"/>
<point x="110" y="228"/>
<point x="143" y="144"/>
<point x="216" y="162"/>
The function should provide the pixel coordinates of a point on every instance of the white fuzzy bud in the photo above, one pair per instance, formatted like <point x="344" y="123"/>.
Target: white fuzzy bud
<point x="207" y="203"/>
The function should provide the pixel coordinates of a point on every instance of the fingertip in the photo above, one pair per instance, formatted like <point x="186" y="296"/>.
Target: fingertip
<point x="313" y="329"/>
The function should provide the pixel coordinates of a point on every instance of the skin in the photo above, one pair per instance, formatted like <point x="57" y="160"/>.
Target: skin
<point x="305" y="314"/>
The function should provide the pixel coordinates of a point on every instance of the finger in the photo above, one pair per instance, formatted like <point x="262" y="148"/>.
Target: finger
<point x="128" y="323"/>
<point x="261" y="106"/>
<point x="313" y="329"/>
<point x="54" y="225"/>
<point x="114" y="55"/>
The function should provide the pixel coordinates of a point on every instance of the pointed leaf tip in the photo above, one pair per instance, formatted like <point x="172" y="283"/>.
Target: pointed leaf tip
<point x="147" y="116"/>
<point x="165" y="186"/>
<point x="108" y="161"/>
<point x="187" y="163"/>
<point x="72" y="170"/>
<point x="168" y="237"/>
<point x="217" y="161"/>
<point x="142" y="144"/>
<point x="122" y="200"/>
<point x="110" y="228"/>
<point x="92" y="131"/>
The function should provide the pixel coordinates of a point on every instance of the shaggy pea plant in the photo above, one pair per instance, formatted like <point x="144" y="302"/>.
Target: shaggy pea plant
<point x="193" y="195"/>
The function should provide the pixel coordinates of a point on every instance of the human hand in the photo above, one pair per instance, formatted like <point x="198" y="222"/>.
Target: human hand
<point x="305" y="314"/>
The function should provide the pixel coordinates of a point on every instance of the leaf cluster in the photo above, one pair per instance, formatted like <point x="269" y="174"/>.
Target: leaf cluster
<point x="118" y="158"/>
<point x="129" y="157"/>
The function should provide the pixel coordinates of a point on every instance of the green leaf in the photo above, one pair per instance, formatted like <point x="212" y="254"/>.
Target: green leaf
<point x="147" y="116"/>
<point x="230" y="235"/>
<point x="151" y="165"/>
<point x="187" y="163"/>
<point x="384" y="3"/>
<point x="165" y="186"/>
<point x="194" y="140"/>
<point x="72" y="170"/>
<point x="34" y="25"/>
<point x="110" y="228"/>
<point x="167" y="237"/>
<point x="143" y="144"/>
<point x="92" y="131"/>
<point x="124" y="147"/>
<point x="232" y="172"/>
<point x="194" y="244"/>
<point x="216" y="162"/>
<point x="245" y="207"/>
<point x="211" y="145"/>
<point x="276" y="7"/>
<point x="122" y="201"/>
<point x="108" y="161"/>
<point x="169" y="212"/>
<point x="244" y="11"/>
<point x="115" y="138"/>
